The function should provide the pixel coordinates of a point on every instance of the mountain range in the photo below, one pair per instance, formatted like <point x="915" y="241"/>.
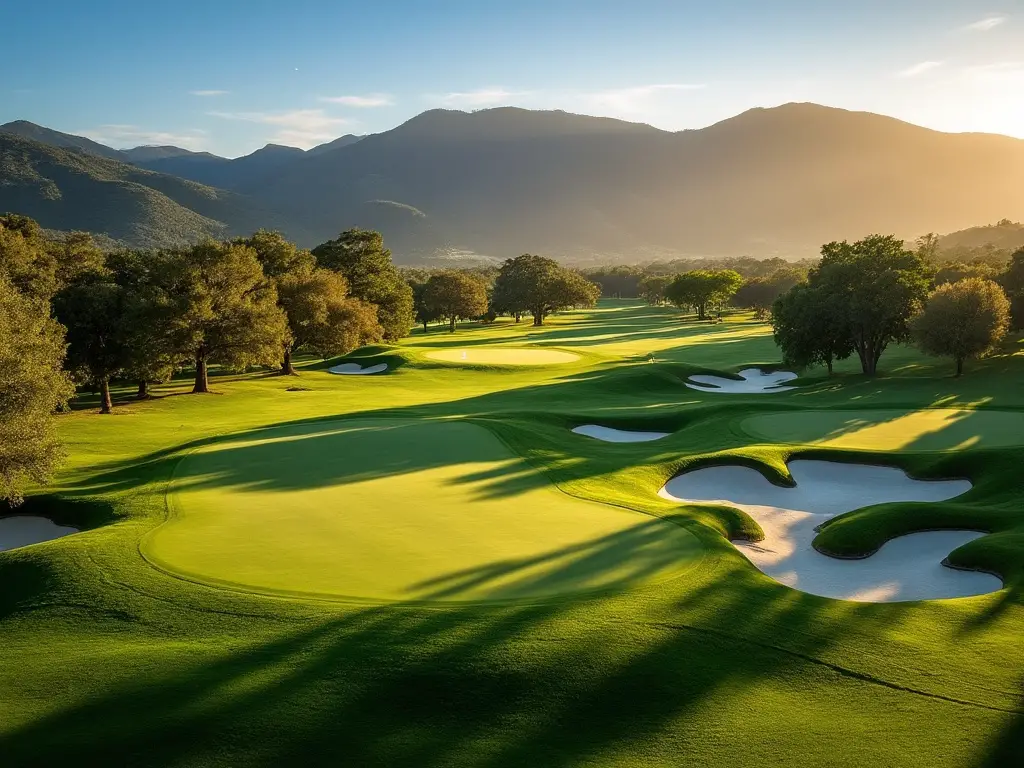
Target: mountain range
<point x="504" y="181"/>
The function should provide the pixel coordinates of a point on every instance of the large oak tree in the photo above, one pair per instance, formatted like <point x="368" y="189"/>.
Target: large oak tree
<point x="360" y="256"/>
<point x="454" y="296"/>
<point x="224" y="308"/>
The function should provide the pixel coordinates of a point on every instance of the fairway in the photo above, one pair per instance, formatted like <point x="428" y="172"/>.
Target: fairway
<point x="932" y="429"/>
<point x="503" y="356"/>
<point x="468" y="563"/>
<point x="399" y="511"/>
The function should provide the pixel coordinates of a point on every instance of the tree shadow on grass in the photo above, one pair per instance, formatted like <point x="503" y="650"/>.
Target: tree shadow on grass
<point x="559" y="685"/>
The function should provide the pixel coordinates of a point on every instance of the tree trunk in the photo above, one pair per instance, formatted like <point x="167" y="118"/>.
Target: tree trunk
<point x="424" y="326"/>
<point x="959" y="366"/>
<point x="202" y="382"/>
<point x="828" y="364"/>
<point x="287" y="369"/>
<point x="143" y="392"/>
<point x="106" y="404"/>
<point x="451" y="327"/>
<point x="700" y="311"/>
<point x="519" y="316"/>
<point x="538" y="320"/>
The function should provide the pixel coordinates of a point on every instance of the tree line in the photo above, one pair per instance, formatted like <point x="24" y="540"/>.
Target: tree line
<point x="72" y="314"/>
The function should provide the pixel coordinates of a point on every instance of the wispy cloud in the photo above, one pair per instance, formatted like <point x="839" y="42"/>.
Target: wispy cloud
<point x="635" y="99"/>
<point x="361" y="102"/>
<point x="482" y="97"/>
<point x="208" y="93"/>
<point x="119" y="136"/>
<point x="919" y="69"/>
<point x="986" y="24"/>
<point x="302" y="128"/>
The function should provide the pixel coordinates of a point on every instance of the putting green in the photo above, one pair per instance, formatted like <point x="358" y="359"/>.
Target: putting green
<point x="503" y="356"/>
<point x="933" y="429"/>
<point x="387" y="510"/>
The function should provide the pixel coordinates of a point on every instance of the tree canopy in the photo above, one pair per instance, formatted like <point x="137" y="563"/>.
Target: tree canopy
<point x="876" y="285"/>
<point x="809" y="329"/>
<point x="760" y="293"/>
<point x="32" y="386"/>
<point x="360" y="256"/>
<point x="454" y="296"/>
<point x="703" y="288"/>
<point x="322" y="317"/>
<point x="540" y="286"/>
<point x="225" y="310"/>
<point x="963" y="320"/>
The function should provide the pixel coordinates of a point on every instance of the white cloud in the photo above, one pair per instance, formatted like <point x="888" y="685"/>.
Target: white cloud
<point x="637" y="99"/>
<point x="361" y="102"/>
<point x="208" y="93"/>
<point x="919" y="69"/>
<point x="986" y="24"/>
<point x="482" y="97"/>
<point x="304" y="128"/>
<point x="121" y="136"/>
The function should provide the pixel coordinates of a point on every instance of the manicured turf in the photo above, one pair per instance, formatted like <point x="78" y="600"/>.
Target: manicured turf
<point x="391" y="510"/>
<point x="934" y="429"/>
<point x="503" y="356"/>
<point x="108" y="660"/>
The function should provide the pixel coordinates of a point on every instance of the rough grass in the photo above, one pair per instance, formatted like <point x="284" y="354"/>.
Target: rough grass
<point x="108" y="660"/>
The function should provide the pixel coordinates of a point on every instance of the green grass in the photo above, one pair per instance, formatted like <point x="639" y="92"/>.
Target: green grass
<point x="570" y="632"/>
<point x="368" y="510"/>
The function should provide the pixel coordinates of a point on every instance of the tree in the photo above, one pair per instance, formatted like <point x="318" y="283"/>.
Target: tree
<point x="955" y="271"/>
<point x="512" y="287"/>
<point x="423" y="313"/>
<point x="224" y="309"/>
<point x="322" y="316"/>
<point x="25" y="260"/>
<point x="97" y="315"/>
<point x="701" y="288"/>
<point x="360" y="256"/>
<point x="809" y="329"/>
<point x="652" y="289"/>
<point x="33" y="385"/>
<point x="877" y="286"/>
<point x="454" y="296"/>
<point x="760" y="293"/>
<point x="277" y="256"/>
<point x="74" y="254"/>
<point x="1012" y="281"/>
<point x="540" y="286"/>
<point x="153" y="334"/>
<point x="963" y="320"/>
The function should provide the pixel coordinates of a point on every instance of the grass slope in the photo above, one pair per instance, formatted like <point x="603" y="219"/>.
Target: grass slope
<point x="107" y="659"/>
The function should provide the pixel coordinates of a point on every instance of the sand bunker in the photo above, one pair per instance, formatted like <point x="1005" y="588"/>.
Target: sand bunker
<point x="503" y="356"/>
<point x="22" y="530"/>
<point x="905" y="568"/>
<point x="611" y="435"/>
<point x="355" y="369"/>
<point x="754" y="381"/>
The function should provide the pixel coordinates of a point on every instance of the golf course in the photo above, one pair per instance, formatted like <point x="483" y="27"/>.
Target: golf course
<point x="624" y="537"/>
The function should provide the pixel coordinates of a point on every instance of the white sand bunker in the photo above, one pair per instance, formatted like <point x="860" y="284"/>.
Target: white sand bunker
<point x="905" y="568"/>
<point x="503" y="356"/>
<point x="355" y="369"/>
<point x="22" y="530"/>
<point x="754" y="381"/>
<point x="611" y="435"/>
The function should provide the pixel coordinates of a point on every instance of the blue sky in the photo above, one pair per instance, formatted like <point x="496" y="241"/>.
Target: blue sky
<point x="229" y="76"/>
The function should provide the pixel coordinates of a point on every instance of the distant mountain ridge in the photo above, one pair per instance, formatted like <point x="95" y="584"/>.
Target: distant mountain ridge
<point x="69" y="189"/>
<point x="498" y="182"/>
